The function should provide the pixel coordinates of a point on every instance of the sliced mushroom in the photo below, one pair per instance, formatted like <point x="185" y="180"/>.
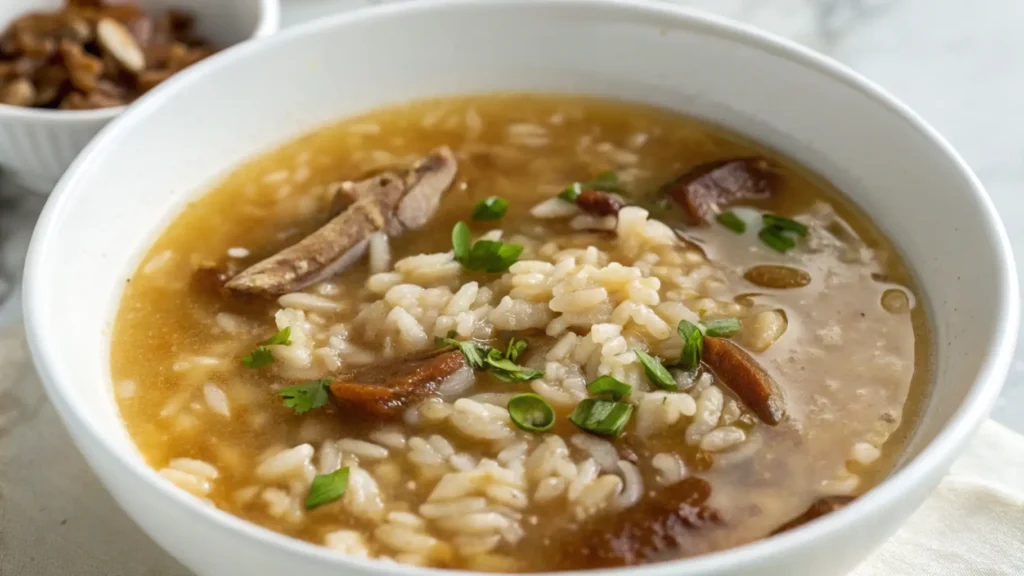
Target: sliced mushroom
<point x="817" y="510"/>
<point x="427" y="182"/>
<point x="116" y="40"/>
<point x="708" y="188"/>
<point x="385" y="389"/>
<point x="379" y="204"/>
<point x="598" y="203"/>
<point x="662" y="525"/>
<point x="746" y="378"/>
<point x="331" y="249"/>
<point x="778" y="277"/>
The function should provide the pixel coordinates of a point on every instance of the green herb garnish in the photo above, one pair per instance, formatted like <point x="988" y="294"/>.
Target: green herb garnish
<point x="611" y="387"/>
<point x="462" y="241"/>
<point x="504" y="369"/>
<point x="261" y="355"/>
<point x="731" y="221"/>
<point x="472" y="351"/>
<point x="304" y="397"/>
<point x="693" y="345"/>
<point x="491" y="208"/>
<point x="603" y="417"/>
<point x="603" y="182"/>
<point x="501" y="365"/>
<point x="656" y="371"/>
<point x="327" y="488"/>
<point x="531" y="413"/>
<point x="778" y="232"/>
<point x="515" y="348"/>
<point x="722" y="327"/>
<point x="483" y="255"/>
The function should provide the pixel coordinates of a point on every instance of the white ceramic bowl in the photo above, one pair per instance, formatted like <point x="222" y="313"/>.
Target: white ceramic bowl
<point x="174" y="143"/>
<point x="37" y="145"/>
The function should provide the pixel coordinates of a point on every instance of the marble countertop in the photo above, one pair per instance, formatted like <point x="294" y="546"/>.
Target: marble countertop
<point x="956" y="63"/>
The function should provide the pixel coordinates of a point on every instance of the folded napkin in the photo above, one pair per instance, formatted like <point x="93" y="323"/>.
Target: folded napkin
<point x="51" y="504"/>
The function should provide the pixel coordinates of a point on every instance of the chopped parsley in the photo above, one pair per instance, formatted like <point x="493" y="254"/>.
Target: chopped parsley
<point x="602" y="417"/>
<point x="482" y="255"/>
<point x="501" y="364"/>
<point x="327" y="488"/>
<point x="261" y="355"/>
<point x="304" y="397"/>
<point x="609" y="386"/>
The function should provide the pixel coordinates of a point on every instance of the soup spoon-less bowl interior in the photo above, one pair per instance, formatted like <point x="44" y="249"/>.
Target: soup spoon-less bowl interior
<point x="170" y="147"/>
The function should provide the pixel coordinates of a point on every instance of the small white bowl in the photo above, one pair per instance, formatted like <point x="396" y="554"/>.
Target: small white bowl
<point x="175" y="142"/>
<point x="37" y="145"/>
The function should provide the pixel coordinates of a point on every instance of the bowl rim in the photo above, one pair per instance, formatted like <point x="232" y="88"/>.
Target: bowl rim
<point x="268" y="23"/>
<point x="927" y="464"/>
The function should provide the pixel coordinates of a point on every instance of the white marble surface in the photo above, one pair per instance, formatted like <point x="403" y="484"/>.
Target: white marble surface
<point x="957" y="63"/>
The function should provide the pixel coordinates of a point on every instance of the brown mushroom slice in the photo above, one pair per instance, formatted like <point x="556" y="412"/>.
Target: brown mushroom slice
<point x="820" y="508"/>
<point x="777" y="277"/>
<point x="385" y="389"/>
<point x="598" y="203"/>
<point x="660" y="526"/>
<point x="331" y="249"/>
<point x="746" y="378"/>
<point x="708" y="188"/>
<point x="427" y="183"/>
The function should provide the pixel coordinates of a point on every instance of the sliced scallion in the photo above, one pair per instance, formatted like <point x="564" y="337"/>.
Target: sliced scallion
<point x="608" y="386"/>
<point x="656" y="371"/>
<point x="722" y="327"/>
<point x="731" y="221"/>
<point x="693" y="345"/>
<point x="491" y="208"/>
<point x="602" y="417"/>
<point x="531" y="413"/>
<point x="783" y="223"/>
<point x="778" y="232"/>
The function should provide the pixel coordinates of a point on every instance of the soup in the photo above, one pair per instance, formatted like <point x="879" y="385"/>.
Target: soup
<point x="522" y="333"/>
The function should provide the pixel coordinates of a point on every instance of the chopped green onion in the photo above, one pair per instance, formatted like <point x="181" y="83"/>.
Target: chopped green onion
<point x="778" y="232"/>
<point x="722" y="327"/>
<point x="783" y="223"/>
<point x="472" y="351"/>
<point x="731" y="221"/>
<point x="485" y="255"/>
<point x="304" y="397"/>
<point x="571" y="193"/>
<point x="515" y="347"/>
<point x="327" y="488"/>
<point x="606" y="385"/>
<point x="603" y="417"/>
<point x="483" y="357"/>
<point x="507" y="370"/>
<point x="656" y="372"/>
<point x="776" y="239"/>
<point x="693" y="345"/>
<point x="531" y="413"/>
<point x="261" y="355"/>
<point x="491" y="208"/>
<point x="603" y="182"/>
<point x="461" y="241"/>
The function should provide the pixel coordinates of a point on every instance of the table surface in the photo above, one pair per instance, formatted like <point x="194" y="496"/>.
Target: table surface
<point x="956" y="67"/>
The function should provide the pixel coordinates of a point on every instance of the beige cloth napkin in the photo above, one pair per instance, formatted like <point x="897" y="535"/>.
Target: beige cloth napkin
<point x="56" y="519"/>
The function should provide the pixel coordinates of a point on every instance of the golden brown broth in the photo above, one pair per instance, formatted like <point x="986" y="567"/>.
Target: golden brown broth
<point x="836" y="394"/>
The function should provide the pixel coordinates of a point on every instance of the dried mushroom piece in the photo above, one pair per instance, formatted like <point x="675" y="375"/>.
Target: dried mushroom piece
<point x="665" y="524"/>
<point x="707" y="189"/>
<point x="385" y="203"/>
<point x="385" y="389"/>
<point x="118" y="41"/>
<point x="92" y="54"/>
<point x="746" y="378"/>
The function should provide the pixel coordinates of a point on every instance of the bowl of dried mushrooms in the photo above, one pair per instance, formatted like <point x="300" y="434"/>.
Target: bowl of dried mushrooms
<point x="67" y="67"/>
